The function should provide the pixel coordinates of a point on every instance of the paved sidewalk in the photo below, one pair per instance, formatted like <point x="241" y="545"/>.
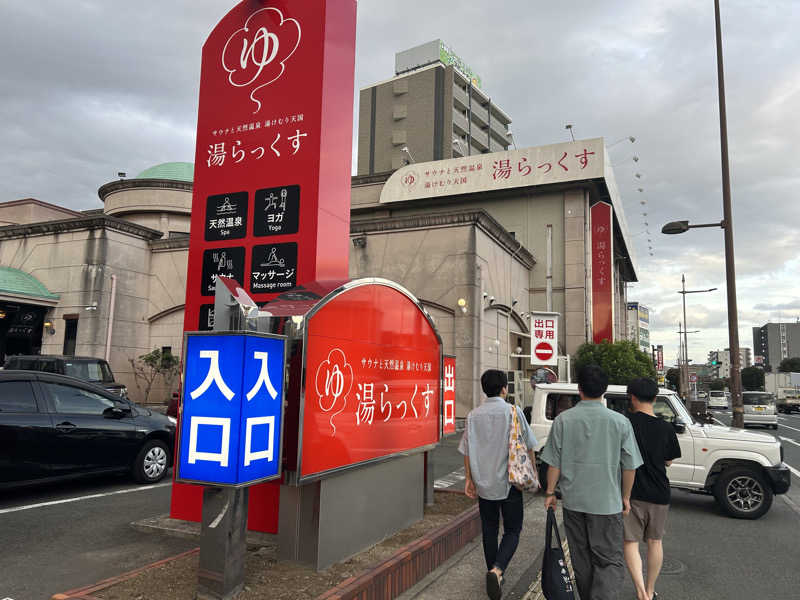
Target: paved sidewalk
<point x="463" y="577"/>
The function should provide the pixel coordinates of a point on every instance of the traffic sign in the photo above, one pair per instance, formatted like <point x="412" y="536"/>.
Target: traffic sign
<point x="543" y="351"/>
<point x="692" y="377"/>
<point x="544" y="338"/>
<point x="232" y="417"/>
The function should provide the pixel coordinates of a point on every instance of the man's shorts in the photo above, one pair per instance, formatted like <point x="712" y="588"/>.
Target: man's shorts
<point x="645" y="521"/>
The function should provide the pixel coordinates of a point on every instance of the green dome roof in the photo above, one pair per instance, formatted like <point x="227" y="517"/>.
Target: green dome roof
<point x="18" y="283"/>
<point x="176" y="171"/>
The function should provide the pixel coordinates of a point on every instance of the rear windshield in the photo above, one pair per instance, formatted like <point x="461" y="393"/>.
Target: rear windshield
<point x="89" y="370"/>
<point x="717" y="394"/>
<point x="758" y="399"/>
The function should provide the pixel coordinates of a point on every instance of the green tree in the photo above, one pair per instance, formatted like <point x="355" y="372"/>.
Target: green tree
<point x="790" y="365"/>
<point x="149" y="367"/>
<point x="716" y="384"/>
<point x="622" y="360"/>
<point x="673" y="377"/>
<point x="752" y="378"/>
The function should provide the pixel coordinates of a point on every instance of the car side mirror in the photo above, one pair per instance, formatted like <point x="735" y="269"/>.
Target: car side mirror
<point x="679" y="426"/>
<point x="116" y="412"/>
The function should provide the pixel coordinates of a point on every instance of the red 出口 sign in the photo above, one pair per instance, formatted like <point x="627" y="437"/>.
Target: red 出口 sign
<point x="274" y="130"/>
<point x="449" y="396"/>
<point x="601" y="218"/>
<point x="372" y="381"/>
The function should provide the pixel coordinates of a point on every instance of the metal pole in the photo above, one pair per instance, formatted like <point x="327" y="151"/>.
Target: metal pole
<point x="685" y="339"/>
<point x="727" y="216"/>
<point x="110" y="327"/>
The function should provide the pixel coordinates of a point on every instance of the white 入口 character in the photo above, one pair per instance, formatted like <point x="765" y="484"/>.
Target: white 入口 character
<point x="213" y="376"/>
<point x="366" y="403"/>
<point x="249" y="455"/>
<point x="263" y="378"/>
<point x="220" y="457"/>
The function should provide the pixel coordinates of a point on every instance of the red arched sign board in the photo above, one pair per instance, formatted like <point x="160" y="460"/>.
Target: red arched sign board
<point x="372" y="381"/>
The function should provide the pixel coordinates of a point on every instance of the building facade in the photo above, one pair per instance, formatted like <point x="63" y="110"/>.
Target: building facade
<point x="776" y="341"/>
<point x="512" y="233"/>
<point x="432" y="109"/>
<point x="638" y="324"/>
<point x="720" y="361"/>
<point x="105" y="283"/>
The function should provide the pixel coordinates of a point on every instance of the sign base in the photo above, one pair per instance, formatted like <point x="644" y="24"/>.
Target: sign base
<point x="223" y="543"/>
<point x="329" y="520"/>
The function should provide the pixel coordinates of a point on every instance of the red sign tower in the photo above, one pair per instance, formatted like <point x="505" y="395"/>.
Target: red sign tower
<point x="271" y="200"/>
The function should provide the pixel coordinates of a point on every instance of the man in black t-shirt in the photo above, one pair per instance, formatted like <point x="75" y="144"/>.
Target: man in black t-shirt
<point x="647" y="518"/>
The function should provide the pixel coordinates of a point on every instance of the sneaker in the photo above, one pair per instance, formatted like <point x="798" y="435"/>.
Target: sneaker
<point x="494" y="585"/>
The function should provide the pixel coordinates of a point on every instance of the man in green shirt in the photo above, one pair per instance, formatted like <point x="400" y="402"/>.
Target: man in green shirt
<point x="593" y="453"/>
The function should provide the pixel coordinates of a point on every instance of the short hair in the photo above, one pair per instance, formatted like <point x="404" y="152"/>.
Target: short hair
<point x="644" y="388"/>
<point x="493" y="382"/>
<point x="592" y="381"/>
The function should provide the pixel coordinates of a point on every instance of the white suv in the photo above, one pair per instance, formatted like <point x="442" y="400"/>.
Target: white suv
<point x="742" y="469"/>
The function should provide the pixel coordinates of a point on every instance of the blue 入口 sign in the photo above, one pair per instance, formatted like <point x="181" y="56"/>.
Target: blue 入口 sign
<point x="232" y="417"/>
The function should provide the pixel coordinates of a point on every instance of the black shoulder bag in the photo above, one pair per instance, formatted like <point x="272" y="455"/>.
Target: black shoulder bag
<point x="556" y="580"/>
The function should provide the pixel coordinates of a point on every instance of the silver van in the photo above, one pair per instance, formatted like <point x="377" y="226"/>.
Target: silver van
<point x="759" y="409"/>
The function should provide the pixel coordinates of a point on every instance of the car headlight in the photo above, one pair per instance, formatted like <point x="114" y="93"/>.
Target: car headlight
<point x="173" y="420"/>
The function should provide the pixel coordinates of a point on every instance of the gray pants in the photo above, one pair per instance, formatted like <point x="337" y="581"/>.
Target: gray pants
<point x="595" y="544"/>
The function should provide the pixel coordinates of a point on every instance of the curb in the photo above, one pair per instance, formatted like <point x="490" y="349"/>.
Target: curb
<point x="83" y="592"/>
<point x="410" y="564"/>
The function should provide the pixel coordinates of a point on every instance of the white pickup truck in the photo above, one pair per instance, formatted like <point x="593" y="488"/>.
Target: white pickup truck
<point x="742" y="469"/>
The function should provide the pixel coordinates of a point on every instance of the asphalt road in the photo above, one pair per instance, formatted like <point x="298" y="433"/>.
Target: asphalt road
<point x="82" y="536"/>
<point x="709" y="555"/>
<point x="59" y="537"/>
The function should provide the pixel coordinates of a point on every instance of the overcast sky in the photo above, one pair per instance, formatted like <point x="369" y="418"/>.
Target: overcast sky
<point x="89" y="88"/>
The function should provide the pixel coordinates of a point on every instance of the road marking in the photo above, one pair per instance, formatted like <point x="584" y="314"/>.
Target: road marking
<point x="790" y="440"/>
<point x="454" y="478"/>
<point x="792" y="428"/>
<point x="79" y="498"/>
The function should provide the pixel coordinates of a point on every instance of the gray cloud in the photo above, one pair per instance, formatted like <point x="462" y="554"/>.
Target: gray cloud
<point x="92" y="88"/>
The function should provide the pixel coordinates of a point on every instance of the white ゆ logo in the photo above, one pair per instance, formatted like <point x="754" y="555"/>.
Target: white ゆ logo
<point x="255" y="55"/>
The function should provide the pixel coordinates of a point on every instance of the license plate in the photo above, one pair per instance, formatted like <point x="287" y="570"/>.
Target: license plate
<point x="759" y="409"/>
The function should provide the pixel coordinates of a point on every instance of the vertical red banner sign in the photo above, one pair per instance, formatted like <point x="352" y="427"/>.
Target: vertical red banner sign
<point x="602" y="240"/>
<point x="271" y="199"/>
<point x="449" y="396"/>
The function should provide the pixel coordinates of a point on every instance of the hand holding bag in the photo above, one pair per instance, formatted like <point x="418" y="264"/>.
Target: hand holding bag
<point x="521" y="471"/>
<point x="556" y="580"/>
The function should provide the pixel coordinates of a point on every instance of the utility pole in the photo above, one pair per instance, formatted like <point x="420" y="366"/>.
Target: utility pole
<point x="727" y="219"/>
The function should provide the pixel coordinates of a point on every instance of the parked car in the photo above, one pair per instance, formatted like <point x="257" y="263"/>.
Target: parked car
<point x="742" y="469"/>
<point x="95" y="370"/>
<point x="55" y="427"/>
<point x="717" y="400"/>
<point x="760" y="409"/>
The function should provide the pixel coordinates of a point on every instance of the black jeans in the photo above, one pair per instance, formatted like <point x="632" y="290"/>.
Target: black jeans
<point x="490" y="510"/>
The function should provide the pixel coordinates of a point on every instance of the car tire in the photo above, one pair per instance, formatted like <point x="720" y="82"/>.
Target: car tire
<point x="152" y="462"/>
<point x="743" y="493"/>
<point x="775" y="426"/>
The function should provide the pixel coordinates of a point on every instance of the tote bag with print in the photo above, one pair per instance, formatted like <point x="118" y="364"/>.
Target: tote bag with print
<point x="521" y="471"/>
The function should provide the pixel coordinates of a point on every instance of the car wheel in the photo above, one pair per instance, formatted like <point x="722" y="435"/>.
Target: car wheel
<point x="152" y="462"/>
<point x="743" y="493"/>
<point x="775" y="426"/>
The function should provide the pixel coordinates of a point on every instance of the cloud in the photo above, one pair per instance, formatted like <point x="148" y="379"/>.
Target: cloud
<point x="93" y="88"/>
<point x="792" y="305"/>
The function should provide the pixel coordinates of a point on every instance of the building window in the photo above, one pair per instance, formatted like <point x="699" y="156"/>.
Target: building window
<point x="70" y="334"/>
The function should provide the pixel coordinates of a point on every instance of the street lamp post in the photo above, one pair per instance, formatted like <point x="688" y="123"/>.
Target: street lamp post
<point x="727" y="227"/>
<point x="683" y="291"/>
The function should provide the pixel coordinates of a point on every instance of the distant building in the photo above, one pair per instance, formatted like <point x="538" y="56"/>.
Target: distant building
<point x="638" y="325"/>
<point x="776" y="341"/>
<point x="432" y="109"/>
<point x="720" y="361"/>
